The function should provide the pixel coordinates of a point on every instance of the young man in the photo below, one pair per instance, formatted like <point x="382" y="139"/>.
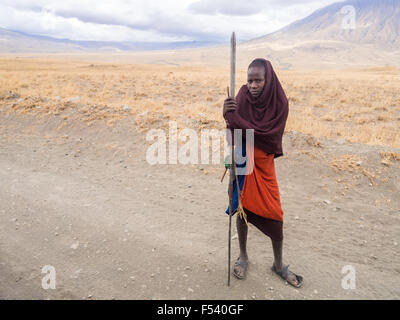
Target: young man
<point x="260" y="105"/>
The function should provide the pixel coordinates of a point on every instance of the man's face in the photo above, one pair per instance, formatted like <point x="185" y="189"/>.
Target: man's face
<point x="256" y="80"/>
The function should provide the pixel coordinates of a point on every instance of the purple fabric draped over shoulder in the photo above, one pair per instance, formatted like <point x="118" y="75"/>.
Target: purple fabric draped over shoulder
<point x="266" y="114"/>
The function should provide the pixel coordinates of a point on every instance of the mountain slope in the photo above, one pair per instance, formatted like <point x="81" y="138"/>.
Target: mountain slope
<point x="377" y="22"/>
<point x="320" y="39"/>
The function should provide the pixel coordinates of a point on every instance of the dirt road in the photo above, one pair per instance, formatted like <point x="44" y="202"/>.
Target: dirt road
<point x="84" y="200"/>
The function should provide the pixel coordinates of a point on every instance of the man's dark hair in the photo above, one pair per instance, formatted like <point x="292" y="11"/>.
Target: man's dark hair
<point x="257" y="63"/>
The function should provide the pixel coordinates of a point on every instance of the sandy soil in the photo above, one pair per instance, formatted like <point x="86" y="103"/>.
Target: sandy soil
<point x="84" y="200"/>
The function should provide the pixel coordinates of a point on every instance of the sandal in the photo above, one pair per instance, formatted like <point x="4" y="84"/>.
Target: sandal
<point x="243" y="265"/>
<point x="284" y="275"/>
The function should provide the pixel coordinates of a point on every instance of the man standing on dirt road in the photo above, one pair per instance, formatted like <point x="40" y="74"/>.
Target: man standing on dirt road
<point x="260" y="105"/>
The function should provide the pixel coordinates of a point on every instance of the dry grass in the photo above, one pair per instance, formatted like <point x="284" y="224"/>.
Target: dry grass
<point x="388" y="157"/>
<point x="354" y="165"/>
<point x="358" y="105"/>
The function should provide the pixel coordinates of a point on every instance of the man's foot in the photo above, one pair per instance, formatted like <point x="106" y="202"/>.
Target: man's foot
<point x="240" y="268"/>
<point x="292" y="278"/>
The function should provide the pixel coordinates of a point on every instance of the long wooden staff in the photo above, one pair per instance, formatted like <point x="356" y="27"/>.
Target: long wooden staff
<point x="231" y="168"/>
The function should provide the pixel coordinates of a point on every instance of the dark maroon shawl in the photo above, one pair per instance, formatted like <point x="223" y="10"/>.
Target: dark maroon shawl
<point x="266" y="114"/>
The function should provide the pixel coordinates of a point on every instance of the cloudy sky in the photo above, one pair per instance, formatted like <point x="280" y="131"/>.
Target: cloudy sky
<point x="151" y="20"/>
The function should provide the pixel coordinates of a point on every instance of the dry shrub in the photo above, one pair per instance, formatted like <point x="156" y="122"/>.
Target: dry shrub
<point x="390" y="155"/>
<point x="351" y="164"/>
<point x="348" y="163"/>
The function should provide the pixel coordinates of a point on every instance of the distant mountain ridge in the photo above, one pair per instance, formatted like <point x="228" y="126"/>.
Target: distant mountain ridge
<point x="16" y="41"/>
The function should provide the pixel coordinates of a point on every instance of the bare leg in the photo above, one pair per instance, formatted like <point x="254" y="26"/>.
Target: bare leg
<point x="241" y="266"/>
<point x="277" y="247"/>
<point x="242" y="235"/>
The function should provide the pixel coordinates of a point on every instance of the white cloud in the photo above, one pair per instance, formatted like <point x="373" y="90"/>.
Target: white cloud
<point x="151" y="20"/>
<point x="226" y="7"/>
<point x="244" y="7"/>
